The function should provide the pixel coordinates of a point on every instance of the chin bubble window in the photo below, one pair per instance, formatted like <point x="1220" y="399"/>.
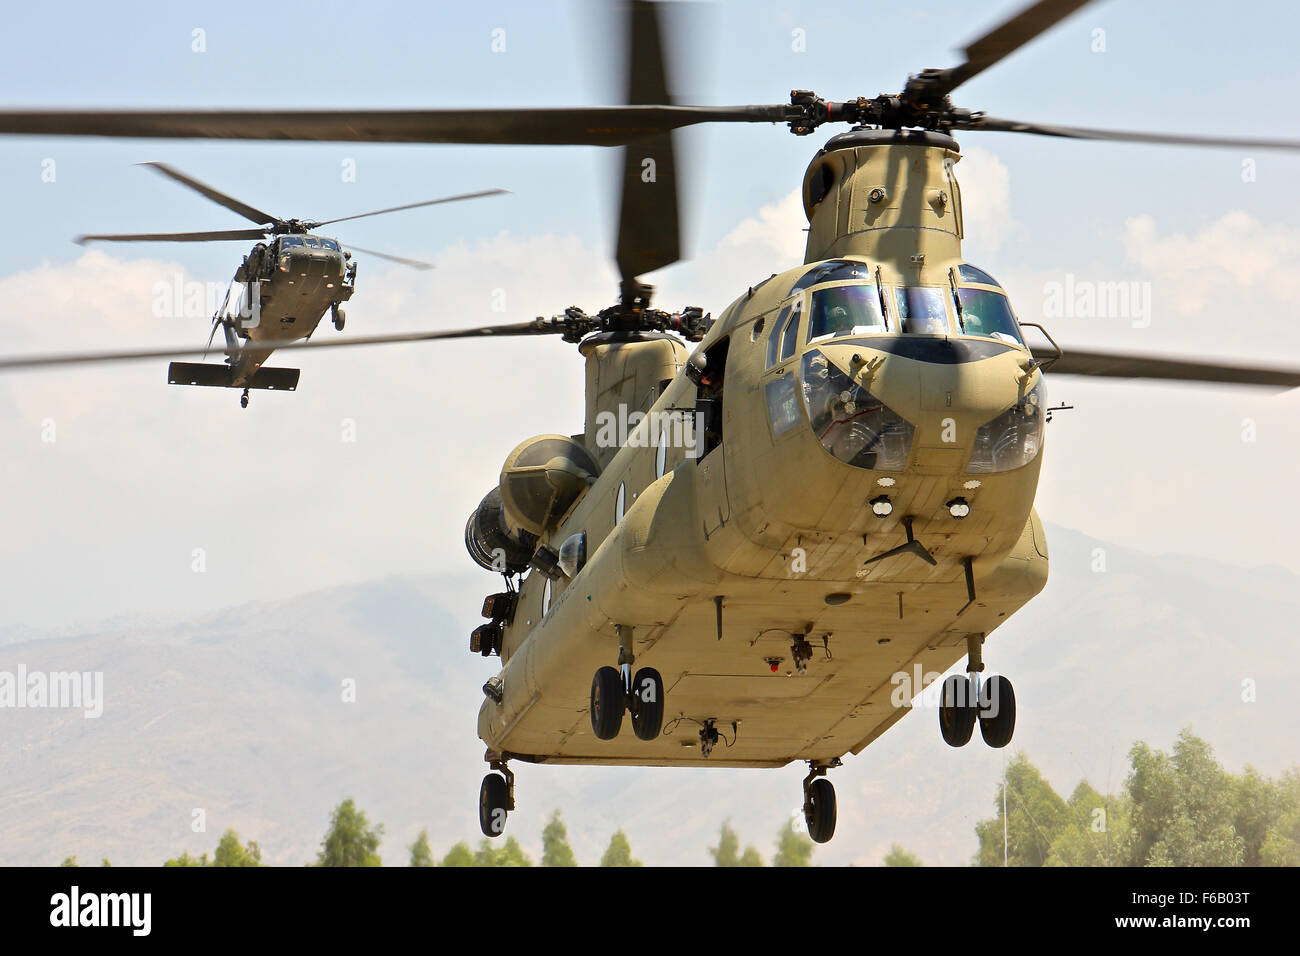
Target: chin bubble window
<point x="851" y="423"/>
<point x="922" y="309"/>
<point x="845" y="310"/>
<point x="1013" y="439"/>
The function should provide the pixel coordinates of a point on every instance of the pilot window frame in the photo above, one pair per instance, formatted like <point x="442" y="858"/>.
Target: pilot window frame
<point x="875" y="292"/>
<point x="944" y="296"/>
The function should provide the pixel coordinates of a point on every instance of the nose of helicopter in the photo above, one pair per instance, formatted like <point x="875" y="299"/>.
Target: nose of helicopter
<point x="967" y="406"/>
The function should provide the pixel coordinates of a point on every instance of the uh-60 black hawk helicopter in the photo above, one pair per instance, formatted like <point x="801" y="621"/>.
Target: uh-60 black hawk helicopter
<point x="858" y="501"/>
<point x="280" y="292"/>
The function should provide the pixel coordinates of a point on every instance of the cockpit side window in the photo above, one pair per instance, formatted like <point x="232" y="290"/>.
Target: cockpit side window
<point x="922" y="309"/>
<point x="985" y="312"/>
<point x="969" y="273"/>
<point x="774" y="339"/>
<point x="833" y="270"/>
<point x="791" y="337"/>
<point x="845" y="310"/>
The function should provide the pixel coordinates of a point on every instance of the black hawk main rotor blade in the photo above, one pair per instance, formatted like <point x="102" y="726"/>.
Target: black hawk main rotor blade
<point x="251" y="213"/>
<point x="216" y="236"/>
<point x="413" y="263"/>
<point x="413" y="205"/>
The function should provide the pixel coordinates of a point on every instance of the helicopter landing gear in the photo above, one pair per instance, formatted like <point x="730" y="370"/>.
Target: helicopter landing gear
<point x="243" y="399"/>
<point x="616" y="690"/>
<point x="608" y="701"/>
<point x="965" y="700"/>
<point x="340" y="317"/>
<point x="819" y="801"/>
<point x="496" y="798"/>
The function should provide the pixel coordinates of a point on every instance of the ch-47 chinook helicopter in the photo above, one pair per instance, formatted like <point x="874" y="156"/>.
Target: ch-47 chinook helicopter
<point x="850" y="493"/>
<point x="280" y="292"/>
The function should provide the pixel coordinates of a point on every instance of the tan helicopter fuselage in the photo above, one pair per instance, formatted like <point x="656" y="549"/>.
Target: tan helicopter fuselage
<point x="780" y="518"/>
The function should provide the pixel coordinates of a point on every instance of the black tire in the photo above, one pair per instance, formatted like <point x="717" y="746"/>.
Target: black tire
<point x="819" y="810"/>
<point x="608" y="701"/>
<point x="997" y="711"/>
<point x="340" y="319"/>
<point x="647" y="715"/>
<point x="493" y="805"/>
<point x="957" y="711"/>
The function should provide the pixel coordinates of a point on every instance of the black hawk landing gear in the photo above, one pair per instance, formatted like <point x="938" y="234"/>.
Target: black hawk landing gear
<point x="243" y="399"/>
<point x="339" y="316"/>
<point x="819" y="801"/>
<point x="496" y="798"/>
<point x="966" y="699"/>
<point x="616" y="690"/>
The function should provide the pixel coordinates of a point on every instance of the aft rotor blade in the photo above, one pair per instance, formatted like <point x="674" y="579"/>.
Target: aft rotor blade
<point x="251" y="213"/>
<point x="996" y="124"/>
<point x="1002" y="41"/>
<point x="413" y="205"/>
<point x="565" y="126"/>
<point x="413" y="263"/>
<point x="176" y="236"/>
<point x="649" y="229"/>
<point x="1121" y="365"/>
<point x="16" y="362"/>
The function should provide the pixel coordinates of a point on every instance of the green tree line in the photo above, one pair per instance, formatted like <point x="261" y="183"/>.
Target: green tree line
<point x="1175" y="809"/>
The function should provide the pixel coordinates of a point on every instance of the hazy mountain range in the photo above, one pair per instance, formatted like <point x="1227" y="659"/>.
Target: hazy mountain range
<point x="241" y="714"/>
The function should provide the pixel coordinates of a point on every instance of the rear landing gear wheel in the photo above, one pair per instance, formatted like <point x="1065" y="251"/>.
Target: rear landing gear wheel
<point x="608" y="701"/>
<point x="819" y="810"/>
<point x="340" y="319"/>
<point x="647" y="703"/>
<point x="957" y="711"/>
<point x="997" y="711"/>
<point x="493" y="805"/>
<point x="243" y="399"/>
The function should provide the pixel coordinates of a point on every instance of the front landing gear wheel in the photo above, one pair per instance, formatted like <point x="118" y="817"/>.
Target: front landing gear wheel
<point x="647" y="702"/>
<point x="957" y="711"/>
<point x="493" y="805"/>
<point x="997" y="711"/>
<point x="340" y="319"/>
<point x="243" y="399"/>
<point x="608" y="701"/>
<point x="819" y="810"/>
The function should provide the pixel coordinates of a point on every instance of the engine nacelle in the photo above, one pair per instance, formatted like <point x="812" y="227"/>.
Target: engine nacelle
<point x="492" y="544"/>
<point x="541" y="479"/>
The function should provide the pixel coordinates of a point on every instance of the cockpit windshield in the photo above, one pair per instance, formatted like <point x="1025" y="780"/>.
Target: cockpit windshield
<point x="845" y="310"/>
<point x="922" y="309"/>
<point x="984" y="312"/>
<point x="286" y="241"/>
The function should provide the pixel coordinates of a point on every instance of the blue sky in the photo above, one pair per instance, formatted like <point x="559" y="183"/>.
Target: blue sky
<point x="1172" y="66"/>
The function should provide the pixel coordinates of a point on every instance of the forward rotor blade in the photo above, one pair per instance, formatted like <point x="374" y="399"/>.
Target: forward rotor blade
<point x="175" y="236"/>
<point x="16" y="362"/>
<point x="565" y="126"/>
<point x="649" y="229"/>
<point x="413" y="205"/>
<point x="1119" y="365"/>
<point x="413" y="263"/>
<point x="251" y="213"/>
<point x="1002" y="41"/>
<point x="996" y="124"/>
